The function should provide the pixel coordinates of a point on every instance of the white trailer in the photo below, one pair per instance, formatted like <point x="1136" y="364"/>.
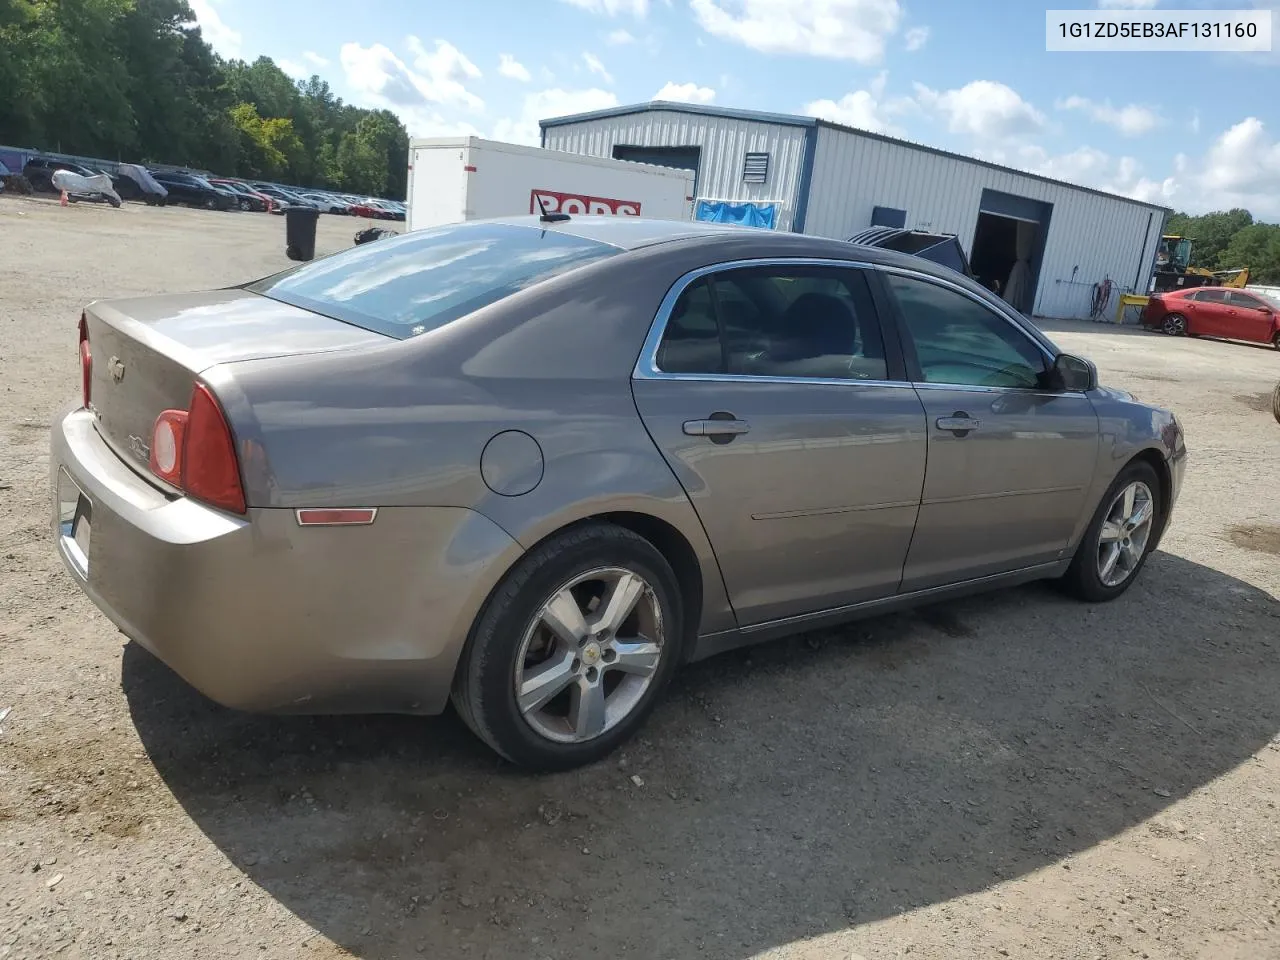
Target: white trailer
<point x="467" y="178"/>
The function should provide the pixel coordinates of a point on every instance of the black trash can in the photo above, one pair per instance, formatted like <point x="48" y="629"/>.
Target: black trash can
<point x="300" y="232"/>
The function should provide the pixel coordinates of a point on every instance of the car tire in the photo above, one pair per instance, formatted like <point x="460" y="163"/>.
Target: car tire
<point x="1275" y="339"/>
<point x="244" y="206"/>
<point x="511" y="640"/>
<point x="1087" y="578"/>
<point x="1275" y="403"/>
<point x="1175" y="325"/>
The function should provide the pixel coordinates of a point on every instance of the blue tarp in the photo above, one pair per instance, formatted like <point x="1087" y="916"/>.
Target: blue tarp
<point x="747" y="214"/>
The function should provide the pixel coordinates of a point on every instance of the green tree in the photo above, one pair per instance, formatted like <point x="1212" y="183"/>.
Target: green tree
<point x="268" y="147"/>
<point x="135" y="80"/>
<point x="1257" y="247"/>
<point x="1211" y="233"/>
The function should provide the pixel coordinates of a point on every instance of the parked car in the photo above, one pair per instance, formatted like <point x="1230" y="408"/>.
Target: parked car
<point x="280" y="201"/>
<point x="134" y="182"/>
<point x="246" y="197"/>
<point x="39" y="172"/>
<point x="290" y="197"/>
<point x="328" y="204"/>
<point x="195" y="191"/>
<point x="1216" y="312"/>
<point x="534" y="465"/>
<point x="943" y="248"/>
<point x="376" y="209"/>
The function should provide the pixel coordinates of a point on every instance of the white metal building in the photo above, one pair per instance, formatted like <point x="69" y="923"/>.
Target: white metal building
<point x="820" y="178"/>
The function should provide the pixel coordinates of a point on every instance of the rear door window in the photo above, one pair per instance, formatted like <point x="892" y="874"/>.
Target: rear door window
<point x="404" y="286"/>
<point x="780" y="322"/>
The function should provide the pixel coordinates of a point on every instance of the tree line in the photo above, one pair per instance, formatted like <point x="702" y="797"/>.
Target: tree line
<point x="1229" y="240"/>
<point x="135" y="81"/>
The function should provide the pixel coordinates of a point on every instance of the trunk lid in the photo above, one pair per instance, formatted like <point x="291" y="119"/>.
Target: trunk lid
<point x="148" y="351"/>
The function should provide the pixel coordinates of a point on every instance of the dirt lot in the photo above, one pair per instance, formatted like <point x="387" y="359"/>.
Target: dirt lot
<point x="1014" y="775"/>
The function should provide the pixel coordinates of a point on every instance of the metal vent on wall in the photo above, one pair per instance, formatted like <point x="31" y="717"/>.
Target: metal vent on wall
<point x="755" y="169"/>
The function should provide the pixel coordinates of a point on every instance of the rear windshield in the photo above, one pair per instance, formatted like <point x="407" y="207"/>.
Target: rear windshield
<point x="404" y="286"/>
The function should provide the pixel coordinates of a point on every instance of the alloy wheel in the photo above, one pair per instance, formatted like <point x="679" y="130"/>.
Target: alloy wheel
<point x="1175" y="324"/>
<point x="1125" y="532"/>
<point x="589" y="655"/>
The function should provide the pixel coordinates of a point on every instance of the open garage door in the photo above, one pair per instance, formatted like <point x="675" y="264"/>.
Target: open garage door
<point x="1008" y="246"/>
<point x="682" y="158"/>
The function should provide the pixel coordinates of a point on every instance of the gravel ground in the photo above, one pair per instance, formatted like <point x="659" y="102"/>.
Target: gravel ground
<point x="1012" y="775"/>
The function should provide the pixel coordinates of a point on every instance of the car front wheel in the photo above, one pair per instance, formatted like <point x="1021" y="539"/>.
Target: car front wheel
<point x="1118" y="541"/>
<point x="1175" y="325"/>
<point x="573" y="649"/>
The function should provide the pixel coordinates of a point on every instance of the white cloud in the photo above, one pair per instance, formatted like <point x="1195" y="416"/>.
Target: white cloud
<point x="685" y="93"/>
<point x="1132" y="120"/>
<point x="1194" y="124"/>
<point x="294" y="69"/>
<point x="1089" y="167"/>
<point x="545" y="104"/>
<point x="612" y="8"/>
<point x="1240" y="169"/>
<point x="379" y="78"/>
<point x="619" y="38"/>
<point x="863" y="109"/>
<point x="595" y="66"/>
<point x="1127" y="4"/>
<point x="446" y="66"/>
<point x="315" y="59"/>
<point x="835" y="29"/>
<point x="219" y="36"/>
<point x="916" y="38"/>
<point x="983" y="109"/>
<point x="509" y="66"/>
<point x="1245" y="162"/>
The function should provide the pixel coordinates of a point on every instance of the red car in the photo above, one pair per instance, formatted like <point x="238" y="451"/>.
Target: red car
<point x="1216" y="312"/>
<point x="246" y="197"/>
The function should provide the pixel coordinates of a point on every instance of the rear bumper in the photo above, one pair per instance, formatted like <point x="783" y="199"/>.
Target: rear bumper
<point x="261" y="614"/>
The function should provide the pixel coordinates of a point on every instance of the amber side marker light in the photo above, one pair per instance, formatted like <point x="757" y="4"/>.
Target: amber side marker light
<point x="337" y="518"/>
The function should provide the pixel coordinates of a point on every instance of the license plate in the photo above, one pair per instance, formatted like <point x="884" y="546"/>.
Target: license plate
<point x="81" y="528"/>
<point x="75" y="521"/>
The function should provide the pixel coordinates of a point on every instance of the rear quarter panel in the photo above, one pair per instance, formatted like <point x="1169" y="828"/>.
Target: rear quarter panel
<point x="406" y="423"/>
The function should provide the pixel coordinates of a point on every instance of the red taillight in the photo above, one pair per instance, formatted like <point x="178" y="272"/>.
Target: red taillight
<point x="86" y="360"/>
<point x="210" y="467"/>
<point x="193" y="449"/>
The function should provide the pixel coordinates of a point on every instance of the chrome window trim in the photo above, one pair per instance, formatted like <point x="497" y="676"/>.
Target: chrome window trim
<point x="646" y="367"/>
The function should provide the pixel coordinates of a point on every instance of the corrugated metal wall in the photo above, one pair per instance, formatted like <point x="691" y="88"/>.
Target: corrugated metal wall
<point x="1090" y="236"/>
<point x="724" y="143"/>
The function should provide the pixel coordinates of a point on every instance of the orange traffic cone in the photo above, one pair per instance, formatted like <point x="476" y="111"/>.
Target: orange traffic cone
<point x="64" y="198"/>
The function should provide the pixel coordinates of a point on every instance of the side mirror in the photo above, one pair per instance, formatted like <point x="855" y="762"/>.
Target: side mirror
<point x="1073" y="374"/>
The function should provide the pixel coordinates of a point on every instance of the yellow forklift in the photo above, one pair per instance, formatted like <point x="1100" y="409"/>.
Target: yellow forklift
<point x="1174" y="270"/>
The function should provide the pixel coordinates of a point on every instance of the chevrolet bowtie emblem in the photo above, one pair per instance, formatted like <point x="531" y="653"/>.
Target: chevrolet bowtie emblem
<point x="116" y="368"/>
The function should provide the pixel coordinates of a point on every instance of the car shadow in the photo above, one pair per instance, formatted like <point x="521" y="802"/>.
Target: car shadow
<point x="778" y="793"/>
<point x="1107" y="326"/>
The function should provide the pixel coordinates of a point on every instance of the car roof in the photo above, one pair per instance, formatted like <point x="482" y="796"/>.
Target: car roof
<point x="633" y="233"/>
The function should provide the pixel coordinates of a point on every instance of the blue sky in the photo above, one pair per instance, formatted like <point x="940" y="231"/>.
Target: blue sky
<point x="1195" y="131"/>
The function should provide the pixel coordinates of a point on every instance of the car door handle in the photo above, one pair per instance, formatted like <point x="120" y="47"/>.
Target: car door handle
<point x="958" y="423"/>
<point x="715" y="428"/>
